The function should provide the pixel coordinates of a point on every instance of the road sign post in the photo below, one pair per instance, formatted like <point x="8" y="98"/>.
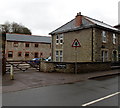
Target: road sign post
<point x="76" y="44"/>
<point x="76" y="60"/>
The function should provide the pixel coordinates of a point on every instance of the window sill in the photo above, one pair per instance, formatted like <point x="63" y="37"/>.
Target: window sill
<point x="104" y="42"/>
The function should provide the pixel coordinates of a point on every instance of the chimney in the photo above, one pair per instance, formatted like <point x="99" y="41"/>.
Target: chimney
<point x="78" y="19"/>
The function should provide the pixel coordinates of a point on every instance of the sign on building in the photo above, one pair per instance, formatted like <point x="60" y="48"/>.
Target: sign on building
<point x="76" y="43"/>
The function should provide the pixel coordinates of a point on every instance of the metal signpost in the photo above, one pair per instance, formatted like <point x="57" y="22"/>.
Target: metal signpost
<point x="76" y="44"/>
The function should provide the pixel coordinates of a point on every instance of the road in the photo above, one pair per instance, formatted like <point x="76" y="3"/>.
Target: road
<point x="94" y="92"/>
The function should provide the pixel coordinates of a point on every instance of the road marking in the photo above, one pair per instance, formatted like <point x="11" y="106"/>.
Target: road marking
<point x="92" y="102"/>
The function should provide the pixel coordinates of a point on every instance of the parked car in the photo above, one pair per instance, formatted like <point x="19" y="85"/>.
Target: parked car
<point x="48" y="59"/>
<point x="35" y="61"/>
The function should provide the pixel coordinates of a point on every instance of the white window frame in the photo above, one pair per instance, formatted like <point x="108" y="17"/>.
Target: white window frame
<point x="57" y="56"/>
<point x="104" y="36"/>
<point x="104" y="55"/>
<point x="61" y="56"/>
<point x="57" y="39"/>
<point x="114" y="38"/>
<point x="61" y="38"/>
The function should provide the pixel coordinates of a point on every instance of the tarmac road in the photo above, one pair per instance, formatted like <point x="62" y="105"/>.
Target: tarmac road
<point x="101" y="91"/>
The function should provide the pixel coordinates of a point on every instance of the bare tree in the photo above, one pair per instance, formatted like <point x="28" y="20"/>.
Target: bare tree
<point x="14" y="28"/>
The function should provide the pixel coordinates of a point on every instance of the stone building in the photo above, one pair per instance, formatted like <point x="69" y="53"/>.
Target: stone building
<point x="118" y="27"/>
<point x="27" y="47"/>
<point x="98" y="41"/>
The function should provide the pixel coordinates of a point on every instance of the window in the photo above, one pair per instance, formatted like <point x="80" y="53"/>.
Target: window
<point x="61" y="53"/>
<point x="57" y="53"/>
<point x="61" y="59"/>
<point x="36" y="55"/>
<point x="61" y="39"/>
<point x="114" y="39"/>
<point x="57" y="59"/>
<point x="57" y="56"/>
<point x="26" y="54"/>
<point x="27" y="45"/>
<point x="15" y="44"/>
<point x="41" y="54"/>
<point x="36" y="45"/>
<point x="10" y="54"/>
<point x="104" y="38"/>
<point x="61" y="56"/>
<point x="57" y="39"/>
<point x="104" y="56"/>
<point x="19" y="54"/>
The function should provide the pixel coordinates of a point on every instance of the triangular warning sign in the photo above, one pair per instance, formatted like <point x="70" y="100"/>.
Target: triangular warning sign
<point x="76" y="43"/>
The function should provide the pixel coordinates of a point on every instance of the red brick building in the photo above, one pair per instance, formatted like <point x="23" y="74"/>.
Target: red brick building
<point x="26" y="47"/>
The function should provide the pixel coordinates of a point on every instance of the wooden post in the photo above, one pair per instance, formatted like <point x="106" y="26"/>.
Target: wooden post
<point x="11" y="73"/>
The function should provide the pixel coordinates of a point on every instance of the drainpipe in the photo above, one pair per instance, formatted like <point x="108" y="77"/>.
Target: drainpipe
<point x="52" y="47"/>
<point x="92" y="45"/>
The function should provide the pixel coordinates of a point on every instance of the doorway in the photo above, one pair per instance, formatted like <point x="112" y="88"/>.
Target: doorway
<point x="114" y="56"/>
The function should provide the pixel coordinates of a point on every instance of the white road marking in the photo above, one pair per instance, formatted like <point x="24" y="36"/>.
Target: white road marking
<point x="92" y="102"/>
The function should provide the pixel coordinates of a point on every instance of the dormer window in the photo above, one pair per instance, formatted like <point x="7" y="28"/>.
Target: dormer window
<point x="104" y="37"/>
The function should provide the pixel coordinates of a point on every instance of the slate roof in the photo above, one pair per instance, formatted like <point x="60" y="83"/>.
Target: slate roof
<point x="87" y="22"/>
<point x="27" y="38"/>
<point x="117" y="26"/>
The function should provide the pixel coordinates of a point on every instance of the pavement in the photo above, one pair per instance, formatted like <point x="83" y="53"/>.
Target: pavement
<point x="33" y="79"/>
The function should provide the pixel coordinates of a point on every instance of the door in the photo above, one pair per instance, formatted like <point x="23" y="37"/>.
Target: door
<point x="114" y="56"/>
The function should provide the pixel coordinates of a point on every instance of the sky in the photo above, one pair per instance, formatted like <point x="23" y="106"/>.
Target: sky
<point x="44" y="16"/>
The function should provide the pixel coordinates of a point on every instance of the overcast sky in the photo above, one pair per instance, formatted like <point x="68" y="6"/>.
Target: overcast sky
<point x="44" y="16"/>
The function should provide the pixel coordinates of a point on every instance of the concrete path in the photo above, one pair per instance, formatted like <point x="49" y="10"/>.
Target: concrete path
<point x="32" y="79"/>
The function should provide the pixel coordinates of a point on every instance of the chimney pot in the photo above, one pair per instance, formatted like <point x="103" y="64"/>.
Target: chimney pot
<point x="78" y="19"/>
<point x="79" y="13"/>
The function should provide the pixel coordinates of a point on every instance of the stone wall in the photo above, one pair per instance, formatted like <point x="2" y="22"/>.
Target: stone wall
<point x="100" y="46"/>
<point x="84" y="52"/>
<point x="66" y="67"/>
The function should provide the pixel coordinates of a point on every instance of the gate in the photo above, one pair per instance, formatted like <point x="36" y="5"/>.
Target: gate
<point x="21" y="66"/>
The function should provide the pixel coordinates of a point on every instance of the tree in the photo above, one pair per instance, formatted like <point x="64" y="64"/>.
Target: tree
<point x="14" y="28"/>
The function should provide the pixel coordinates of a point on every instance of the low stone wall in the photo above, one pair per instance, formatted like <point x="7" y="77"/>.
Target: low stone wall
<point x="66" y="67"/>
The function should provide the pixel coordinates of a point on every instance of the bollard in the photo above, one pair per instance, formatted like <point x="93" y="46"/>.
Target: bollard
<point x="11" y="73"/>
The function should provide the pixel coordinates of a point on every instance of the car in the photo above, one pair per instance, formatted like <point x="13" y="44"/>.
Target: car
<point x="48" y="59"/>
<point x="35" y="61"/>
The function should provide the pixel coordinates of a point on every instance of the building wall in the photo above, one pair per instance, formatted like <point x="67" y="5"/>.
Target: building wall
<point x="118" y="26"/>
<point x="84" y="52"/>
<point x="91" y="48"/>
<point x="99" y="46"/>
<point x="43" y="48"/>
